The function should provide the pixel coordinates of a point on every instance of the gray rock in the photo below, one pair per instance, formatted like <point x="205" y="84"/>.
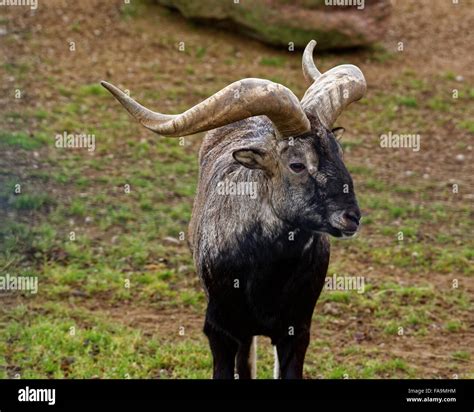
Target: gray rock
<point x="282" y="22"/>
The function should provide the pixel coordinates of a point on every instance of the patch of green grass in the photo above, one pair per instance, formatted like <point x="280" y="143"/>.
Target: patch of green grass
<point x="14" y="117"/>
<point x="410" y="321"/>
<point x="159" y="290"/>
<point x="335" y="296"/>
<point x="381" y="54"/>
<point x="139" y="182"/>
<point x="146" y="205"/>
<point x="41" y="114"/>
<point x="453" y="326"/>
<point x="192" y="298"/>
<point x="63" y="91"/>
<point x="30" y="201"/>
<point x="94" y="89"/>
<point x="82" y="181"/>
<point x="76" y="27"/>
<point x="390" y="367"/>
<point x="354" y="362"/>
<point x="397" y="211"/>
<point x="201" y="52"/>
<point x="184" y="359"/>
<point x="403" y="189"/>
<point x="467" y="125"/>
<point x="78" y="207"/>
<point x="59" y="343"/>
<point x="72" y="108"/>
<point x="461" y="355"/>
<point x="276" y="79"/>
<point x="348" y="145"/>
<point x="176" y="92"/>
<point x="409" y="231"/>
<point x="391" y="328"/>
<point x="22" y="140"/>
<point x="273" y="61"/>
<point x="438" y="104"/>
<point x="18" y="69"/>
<point x="375" y="185"/>
<point x="185" y="189"/>
<point x="417" y="84"/>
<point x="449" y="75"/>
<point x="44" y="237"/>
<point x="70" y="275"/>
<point x="339" y="372"/>
<point x="400" y="233"/>
<point x="407" y="101"/>
<point x="132" y="9"/>
<point x="14" y="237"/>
<point x="360" y="170"/>
<point x="447" y="258"/>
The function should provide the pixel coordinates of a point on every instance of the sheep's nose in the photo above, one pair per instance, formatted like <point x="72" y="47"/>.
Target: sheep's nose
<point x="352" y="216"/>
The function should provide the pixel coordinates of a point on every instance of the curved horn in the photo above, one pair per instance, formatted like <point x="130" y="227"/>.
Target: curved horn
<point x="237" y="101"/>
<point x="332" y="91"/>
<point x="310" y="72"/>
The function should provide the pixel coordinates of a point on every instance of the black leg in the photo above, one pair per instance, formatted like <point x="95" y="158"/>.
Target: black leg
<point x="243" y="361"/>
<point x="291" y="352"/>
<point x="224" y="350"/>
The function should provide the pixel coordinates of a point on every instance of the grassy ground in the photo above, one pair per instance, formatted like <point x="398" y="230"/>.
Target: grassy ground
<point x="118" y="295"/>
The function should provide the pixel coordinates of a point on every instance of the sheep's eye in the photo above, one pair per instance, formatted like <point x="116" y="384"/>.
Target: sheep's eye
<point x="297" y="167"/>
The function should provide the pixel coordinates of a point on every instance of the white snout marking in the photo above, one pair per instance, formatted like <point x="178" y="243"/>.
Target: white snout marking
<point x="336" y="220"/>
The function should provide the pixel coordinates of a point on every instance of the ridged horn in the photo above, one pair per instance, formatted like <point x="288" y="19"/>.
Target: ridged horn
<point x="332" y="91"/>
<point x="310" y="72"/>
<point x="239" y="100"/>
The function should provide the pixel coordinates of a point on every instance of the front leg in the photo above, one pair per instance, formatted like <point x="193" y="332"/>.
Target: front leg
<point x="224" y="350"/>
<point x="246" y="358"/>
<point x="291" y="351"/>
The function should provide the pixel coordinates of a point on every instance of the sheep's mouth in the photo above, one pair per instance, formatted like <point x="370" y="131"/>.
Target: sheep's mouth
<point x="349" y="233"/>
<point x="343" y="224"/>
<point x="342" y="233"/>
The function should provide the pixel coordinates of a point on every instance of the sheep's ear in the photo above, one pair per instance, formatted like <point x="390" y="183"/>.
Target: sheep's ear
<point x="338" y="132"/>
<point x="252" y="158"/>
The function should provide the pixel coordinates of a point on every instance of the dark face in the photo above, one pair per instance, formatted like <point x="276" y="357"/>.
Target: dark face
<point x="311" y="187"/>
